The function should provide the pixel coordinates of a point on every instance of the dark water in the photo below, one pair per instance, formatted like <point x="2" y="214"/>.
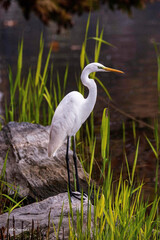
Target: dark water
<point x="134" y="94"/>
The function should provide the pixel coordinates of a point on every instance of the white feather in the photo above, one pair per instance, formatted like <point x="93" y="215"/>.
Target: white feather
<point x="74" y="109"/>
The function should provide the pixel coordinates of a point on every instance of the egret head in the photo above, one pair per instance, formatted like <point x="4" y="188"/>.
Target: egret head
<point x="98" y="67"/>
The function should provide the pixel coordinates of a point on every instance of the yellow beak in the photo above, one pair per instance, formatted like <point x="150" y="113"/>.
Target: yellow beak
<point x="112" y="70"/>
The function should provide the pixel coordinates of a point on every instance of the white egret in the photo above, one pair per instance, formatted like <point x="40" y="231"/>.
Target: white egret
<point x="71" y="113"/>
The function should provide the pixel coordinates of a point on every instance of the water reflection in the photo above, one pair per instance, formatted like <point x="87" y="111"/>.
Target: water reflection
<point x="62" y="11"/>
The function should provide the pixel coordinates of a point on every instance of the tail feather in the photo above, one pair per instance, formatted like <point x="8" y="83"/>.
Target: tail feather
<point x="56" y="139"/>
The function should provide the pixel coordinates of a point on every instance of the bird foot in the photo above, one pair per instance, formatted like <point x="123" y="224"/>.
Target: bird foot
<point x="78" y="195"/>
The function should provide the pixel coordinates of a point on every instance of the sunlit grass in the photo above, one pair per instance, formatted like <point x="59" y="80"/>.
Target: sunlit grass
<point x="31" y="99"/>
<point x="120" y="212"/>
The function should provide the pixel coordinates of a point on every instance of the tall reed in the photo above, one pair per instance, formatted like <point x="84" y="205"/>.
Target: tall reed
<point x="30" y="99"/>
<point x="120" y="211"/>
<point x="88" y="139"/>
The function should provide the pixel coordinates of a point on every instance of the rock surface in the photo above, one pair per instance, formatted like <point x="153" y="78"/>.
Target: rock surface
<point x="28" y="165"/>
<point x="39" y="212"/>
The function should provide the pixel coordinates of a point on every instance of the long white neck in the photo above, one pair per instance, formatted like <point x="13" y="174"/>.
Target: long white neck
<point x="92" y="96"/>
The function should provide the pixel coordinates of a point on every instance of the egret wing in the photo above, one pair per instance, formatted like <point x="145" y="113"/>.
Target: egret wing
<point x="56" y="139"/>
<point x="66" y="120"/>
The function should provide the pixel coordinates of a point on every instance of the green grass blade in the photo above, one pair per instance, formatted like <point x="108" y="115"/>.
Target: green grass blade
<point x="104" y="133"/>
<point x="104" y="88"/>
<point x="99" y="39"/>
<point x="82" y="56"/>
<point x="44" y="76"/>
<point x="19" y="69"/>
<point x="48" y="99"/>
<point x="39" y="62"/>
<point x="9" y="198"/>
<point x="18" y="204"/>
<point x="156" y="46"/>
<point x="134" y="131"/>
<point x="3" y="171"/>
<point x="129" y="175"/>
<point x="65" y="80"/>
<point x="55" y="97"/>
<point x="83" y="50"/>
<point x="59" y="88"/>
<point x="25" y="99"/>
<point x="92" y="159"/>
<point x="135" y="162"/>
<point x="46" y="66"/>
<point x="152" y="147"/>
<point x="60" y="222"/>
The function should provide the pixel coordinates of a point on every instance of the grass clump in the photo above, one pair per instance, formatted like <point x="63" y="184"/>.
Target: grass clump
<point x="119" y="211"/>
<point x="9" y="197"/>
<point x="31" y="99"/>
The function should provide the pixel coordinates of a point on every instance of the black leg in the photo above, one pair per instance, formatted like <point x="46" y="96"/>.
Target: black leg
<point x="75" y="164"/>
<point x="67" y="162"/>
<point x="73" y="194"/>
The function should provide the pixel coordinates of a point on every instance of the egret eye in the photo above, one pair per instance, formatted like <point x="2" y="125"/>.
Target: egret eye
<point x="99" y="67"/>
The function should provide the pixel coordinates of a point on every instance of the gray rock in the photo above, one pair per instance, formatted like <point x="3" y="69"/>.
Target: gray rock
<point x="28" y="165"/>
<point x="39" y="212"/>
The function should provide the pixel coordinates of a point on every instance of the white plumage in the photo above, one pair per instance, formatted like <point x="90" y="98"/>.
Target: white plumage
<point x="72" y="112"/>
<point x="66" y="121"/>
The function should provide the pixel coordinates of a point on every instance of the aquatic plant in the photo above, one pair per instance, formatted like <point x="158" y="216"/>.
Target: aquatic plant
<point x="9" y="196"/>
